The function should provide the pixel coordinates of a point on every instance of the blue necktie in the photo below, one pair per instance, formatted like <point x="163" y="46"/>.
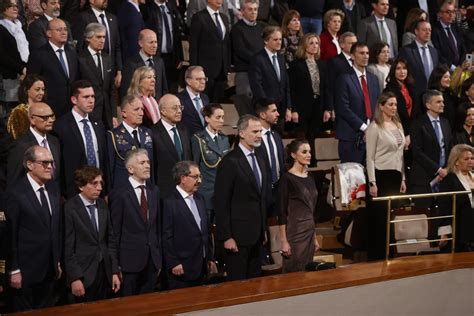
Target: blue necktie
<point x="169" y="45"/>
<point x="219" y="27"/>
<point x="194" y="211"/>
<point x="198" y="105"/>
<point x="177" y="143"/>
<point x="275" y="65"/>
<point x="442" y="156"/>
<point x="426" y="66"/>
<point x="255" y="170"/>
<point x="63" y="63"/>
<point x="91" y="208"/>
<point x="272" y="157"/>
<point x="90" y="153"/>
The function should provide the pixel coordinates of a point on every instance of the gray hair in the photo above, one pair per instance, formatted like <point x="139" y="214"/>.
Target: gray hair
<point x="30" y="155"/>
<point x="430" y="94"/>
<point x="131" y="154"/>
<point x="189" y="71"/>
<point x="345" y="35"/>
<point x="181" y="169"/>
<point x="244" y="120"/>
<point x="244" y="2"/>
<point x="126" y="100"/>
<point x="92" y="29"/>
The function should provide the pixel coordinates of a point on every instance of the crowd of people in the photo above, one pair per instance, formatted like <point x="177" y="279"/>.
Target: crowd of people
<point x="115" y="166"/>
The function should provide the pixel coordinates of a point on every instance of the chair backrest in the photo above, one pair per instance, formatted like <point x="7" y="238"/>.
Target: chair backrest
<point x="274" y="239"/>
<point x="231" y="118"/>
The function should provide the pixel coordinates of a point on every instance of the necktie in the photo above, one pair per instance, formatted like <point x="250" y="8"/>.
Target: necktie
<point x="216" y="140"/>
<point x="91" y="208"/>
<point x="442" y="157"/>
<point x="150" y="62"/>
<point x="365" y="91"/>
<point x="135" y="138"/>
<point x="144" y="204"/>
<point x="90" y="153"/>
<point x="255" y="170"/>
<point x="275" y="66"/>
<point x="219" y="27"/>
<point x="63" y="63"/>
<point x="382" y="32"/>
<point x="99" y="65"/>
<point x="168" y="44"/>
<point x="198" y="105"/>
<point x="424" y="60"/>
<point x="272" y="157"/>
<point x="452" y="45"/>
<point x="194" y="211"/>
<point x="45" y="212"/>
<point x="107" y="41"/>
<point x="177" y="143"/>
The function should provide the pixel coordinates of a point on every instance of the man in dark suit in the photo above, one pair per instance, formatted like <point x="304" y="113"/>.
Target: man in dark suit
<point x="193" y="99"/>
<point x="186" y="233"/>
<point x="82" y="139"/>
<point x="209" y="47"/>
<point x="421" y="57"/>
<point x="130" y="24"/>
<point x="170" y="142"/>
<point x="447" y="37"/>
<point x="268" y="76"/>
<point x="129" y="135"/>
<point x="430" y="143"/>
<point x="96" y="67"/>
<point x="240" y="198"/>
<point x="355" y="105"/>
<point x="41" y="124"/>
<point x="57" y="63"/>
<point x="164" y="18"/>
<point x="136" y="218"/>
<point x="90" y="251"/>
<point x="146" y="57"/>
<point x="4" y="240"/>
<point x="34" y="221"/>
<point x="271" y="149"/>
<point x="96" y="14"/>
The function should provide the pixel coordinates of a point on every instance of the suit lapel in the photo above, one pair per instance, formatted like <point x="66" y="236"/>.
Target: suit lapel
<point x="270" y="64"/>
<point x="416" y="55"/>
<point x="167" y="140"/>
<point x="245" y="166"/>
<point x="56" y="60"/>
<point x="92" y="65"/>
<point x="182" y="205"/>
<point x="430" y="128"/>
<point x="75" y="130"/>
<point x="211" y="144"/>
<point x="102" y="219"/>
<point x="356" y="83"/>
<point x="83" y="214"/>
<point x="31" y="195"/>
<point x="136" y="202"/>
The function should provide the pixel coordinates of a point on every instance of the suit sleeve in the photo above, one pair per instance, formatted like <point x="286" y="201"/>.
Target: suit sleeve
<point x="224" y="188"/>
<point x="371" y="139"/>
<point x="170" y="255"/>
<point x="195" y="149"/>
<point x="35" y="36"/>
<point x="34" y="64"/>
<point x="194" y="39"/>
<point x="116" y="205"/>
<point x="343" y="105"/>
<point x="112" y="242"/>
<point x="73" y="270"/>
<point x="256" y="78"/>
<point x="12" y="214"/>
<point x="419" y="154"/>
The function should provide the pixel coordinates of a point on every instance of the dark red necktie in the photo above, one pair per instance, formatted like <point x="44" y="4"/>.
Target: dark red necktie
<point x="365" y="91"/>
<point x="144" y="204"/>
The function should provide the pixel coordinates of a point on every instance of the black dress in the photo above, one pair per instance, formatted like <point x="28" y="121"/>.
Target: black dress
<point x="298" y="198"/>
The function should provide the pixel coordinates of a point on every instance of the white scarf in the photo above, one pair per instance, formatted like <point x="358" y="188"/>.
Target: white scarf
<point x="14" y="28"/>
<point x="465" y="183"/>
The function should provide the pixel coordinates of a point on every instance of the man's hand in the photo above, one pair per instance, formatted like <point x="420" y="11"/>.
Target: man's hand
<point x="442" y="173"/>
<point x="230" y="244"/>
<point x="77" y="288"/>
<point x="115" y="122"/>
<point x="285" y="248"/>
<point x="60" y="272"/>
<point x="403" y="187"/>
<point x="118" y="79"/>
<point x="288" y="115"/>
<point x="373" y="190"/>
<point x="295" y="117"/>
<point x="15" y="280"/>
<point x="326" y="116"/>
<point x="115" y="283"/>
<point x="211" y="267"/>
<point x="178" y="270"/>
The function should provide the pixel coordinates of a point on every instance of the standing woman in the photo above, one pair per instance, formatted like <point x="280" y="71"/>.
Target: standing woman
<point x="330" y="36"/>
<point x="440" y="79"/>
<point x="308" y="88"/>
<point x="378" y="62"/>
<point x="32" y="90"/>
<point x="298" y="196"/>
<point x="413" y="16"/>
<point x="14" y="52"/>
<point x="208" y="148"/>
<point x="143" y="86"/>
<point x="385" y="170"/>
<point x="463" y="131"/>
<point x="292" y="33"/>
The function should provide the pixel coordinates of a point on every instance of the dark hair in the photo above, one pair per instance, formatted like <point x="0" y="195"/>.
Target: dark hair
<point x="182" y="168"/>
<point x="429" y="94"/>
<point x="261" y="105"/>
<point x="85" y="175"/>
<point x="26" y="85"/>
<point x="435" y="78"/>
<point x="461" y="114"/>
<point x="243" y="122"/>
<point x="412" y="18"/>
<point x="30" y="155"/>
<point x="419" y="22"/>
<point x="391" y="74"/>
<point x="4" y="6"/>
<point x="269" y="30"/>
<point x="292" y="148"/>
<point x="209" y="109"/>
<point x="375" y="51"/>
<point x="79" y="84"/>
<point x="466" y="86"/>
<point x="289" y="15"/>
<point x="357" y="45"/>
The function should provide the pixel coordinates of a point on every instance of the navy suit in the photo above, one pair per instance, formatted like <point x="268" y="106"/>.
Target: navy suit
<point x="119" y="143"/>
<point x="351" y="114"/>
<point x="191" y="119"/>
<point x="139" y="243"/>
<point x="130" y="24"/>
<point x="440" y="40"/>
<point x="336" y="66"/>
<point x="184" y="242"/>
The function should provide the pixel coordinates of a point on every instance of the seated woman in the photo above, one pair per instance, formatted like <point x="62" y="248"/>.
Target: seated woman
<point x="143" y="86"/>
<point x="378" y="62"/>
<point x="459" y="178"/>
<point x="330" y="36"/>
<point x="463" y="132"/>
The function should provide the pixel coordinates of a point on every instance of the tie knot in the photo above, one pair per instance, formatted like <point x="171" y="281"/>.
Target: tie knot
<point x="91" y="207"/>
<point x="269" y="132"/>
<point x="197" y="98"/>
<point x="362" y="76"/>
<point x="41" y="190"/>
<point x="173" y="129"/>
<point x="85" y="121"/>
<point x="216" y="14"/>
<point x="134" y="131"/>
<point x="274" y="56"/>
<point x="142" y="187"/>
<point x="101" y="15"/>
<point x="162" y="7"/>
<point x="60" y="50"/>
<point x="98" y="54"/>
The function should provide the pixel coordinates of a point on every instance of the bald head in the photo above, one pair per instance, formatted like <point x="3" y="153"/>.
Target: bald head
<point x="57" y="32"/>
<point x="148" y="42"/>
<point x="170" y="109"/>
<point x="41" y="118"/>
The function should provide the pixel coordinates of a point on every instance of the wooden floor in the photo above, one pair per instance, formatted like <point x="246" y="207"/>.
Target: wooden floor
<point x="260" y="289"/>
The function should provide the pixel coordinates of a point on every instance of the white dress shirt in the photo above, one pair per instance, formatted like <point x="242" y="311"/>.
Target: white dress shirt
<point x="249" y="160"/>
<point x="86" y="203"/>
<point x="267" y="147"/>
<point x="78" y="118"/>
<point x="212" y="12"/>
<point x="55" y="48"/>
<point x="169" y="128"/>
<point x="36" y="188"/>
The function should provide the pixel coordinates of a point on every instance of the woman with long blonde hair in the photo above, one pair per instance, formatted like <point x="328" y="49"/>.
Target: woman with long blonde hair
<point x="142" y="85"/>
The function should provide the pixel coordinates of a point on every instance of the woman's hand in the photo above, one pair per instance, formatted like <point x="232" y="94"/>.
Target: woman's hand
<point x="316" y="244"/>
<point x="403" y="187"/>
<point x="443" y="243"/>
<point x="295" y="117"/>
<point x="373" y="190"/>
<point x="285" y="248"/>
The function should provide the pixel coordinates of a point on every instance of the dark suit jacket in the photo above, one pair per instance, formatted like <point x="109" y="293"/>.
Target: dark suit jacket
<point x="130" y="24"/>
<point x="104" y="109"/>
<point x="350" y="106"/>
<point x="36" y="239"/>
<point x="136" y="239"/>
<point x="190" y="119"/>
<point x="73" y="153"/>
<point x="351" y="18"/>
<point x="87" y="16"/>
<point x="426" y="150"/>
<point x="37" y="33"/>
<point x="135" y="62"/>
<point x="441" y="41"/>
<point x="239" y="204"/>
<point x="206" y="49"/>
<point x="84" y="249"/>
<point x="405" y="118"/>
<point x="4" y="238"/>
<point x="167" y="157"/>
<point x="45" y="63"/>
<point x="11" y="64"/>
<point x="368" y="32"/>
<point x="183" y="241"/>
<point x="264" y="81"/>
<point x="337" y="66"/>
<point x="15" y="169"/>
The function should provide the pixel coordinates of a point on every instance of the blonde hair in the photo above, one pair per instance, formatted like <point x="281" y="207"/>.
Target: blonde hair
<point x="138" y="76"/>
<point x="332" y="13"/>
<point x="378" y="116"/>
<point x="455" y="154"/>
<point x="304" y="41"/>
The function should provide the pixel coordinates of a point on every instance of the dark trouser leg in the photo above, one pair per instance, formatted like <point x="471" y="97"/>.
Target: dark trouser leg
<point x="245" y="263"/>
<point x="141" y="282"/>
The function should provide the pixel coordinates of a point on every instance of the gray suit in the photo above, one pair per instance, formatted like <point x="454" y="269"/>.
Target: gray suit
<point x="368" y="32"/>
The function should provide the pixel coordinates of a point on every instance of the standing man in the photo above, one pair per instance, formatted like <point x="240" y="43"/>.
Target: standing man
<point x="194" y="99"/>
<point x="186" y="233"/>
<point x="82" y="139"/>
<point x="355" y="106"/>
<point x="240" y="202"/>
<point x="90" y="251"/>
<point x="209" y="47"/>
<point x="135" y="209"/>
<point x="34" y="221"/>
<point x="96" y="66"/>
<point x="4" y="240"/>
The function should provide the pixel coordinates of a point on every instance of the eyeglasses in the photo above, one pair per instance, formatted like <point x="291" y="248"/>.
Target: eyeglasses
<point x="45" y="117"/>
<point x="202" y="79"/>
<point x="44" y="163"/>
<point x="96" y="184"/>
<point x="195" y="177"/>
<point x="176" y="107"/>
<point x="449" y="11"/>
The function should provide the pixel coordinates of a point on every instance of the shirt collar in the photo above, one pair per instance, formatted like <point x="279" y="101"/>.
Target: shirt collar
<point x="444" y="25"/>
<point x="97" y="13"/>
<point x="183" y="193"/>
<point x="265" y="130"/>
<point x="210" y="133"/>
<point x="248" y="22"/>
<point x="145" y="57"/>
<point x="135" y="183"/>
<point x="34" y="184"/>
<point x="39" y="138"/>
<point x="86" y="201"/>
<point x="432" y="118"/>
<point x="211" y="12"/>
<point x="419" y="45"/>
<point x="245" y="150"/>
<point x="270" y="54"/>
<point x="47" y="17"/>
<point x="191" y="94"/>
<point x="93" y="52"/>
<point x="129" y="128"/>
<point x="167" y="125"/>
<point x="55" y="48"/>
<point x="78" y="117"/>
<point x="358" y="73"/>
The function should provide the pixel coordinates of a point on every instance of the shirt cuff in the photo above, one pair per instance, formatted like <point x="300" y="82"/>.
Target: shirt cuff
<point x="14" y="272"/>
<point x="363" y="127"/>
<point x="445" y="230"/>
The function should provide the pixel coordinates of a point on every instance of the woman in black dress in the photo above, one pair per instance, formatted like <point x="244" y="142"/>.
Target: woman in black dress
<point x="463" y="133"/>
<point x="298" y="196"/>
